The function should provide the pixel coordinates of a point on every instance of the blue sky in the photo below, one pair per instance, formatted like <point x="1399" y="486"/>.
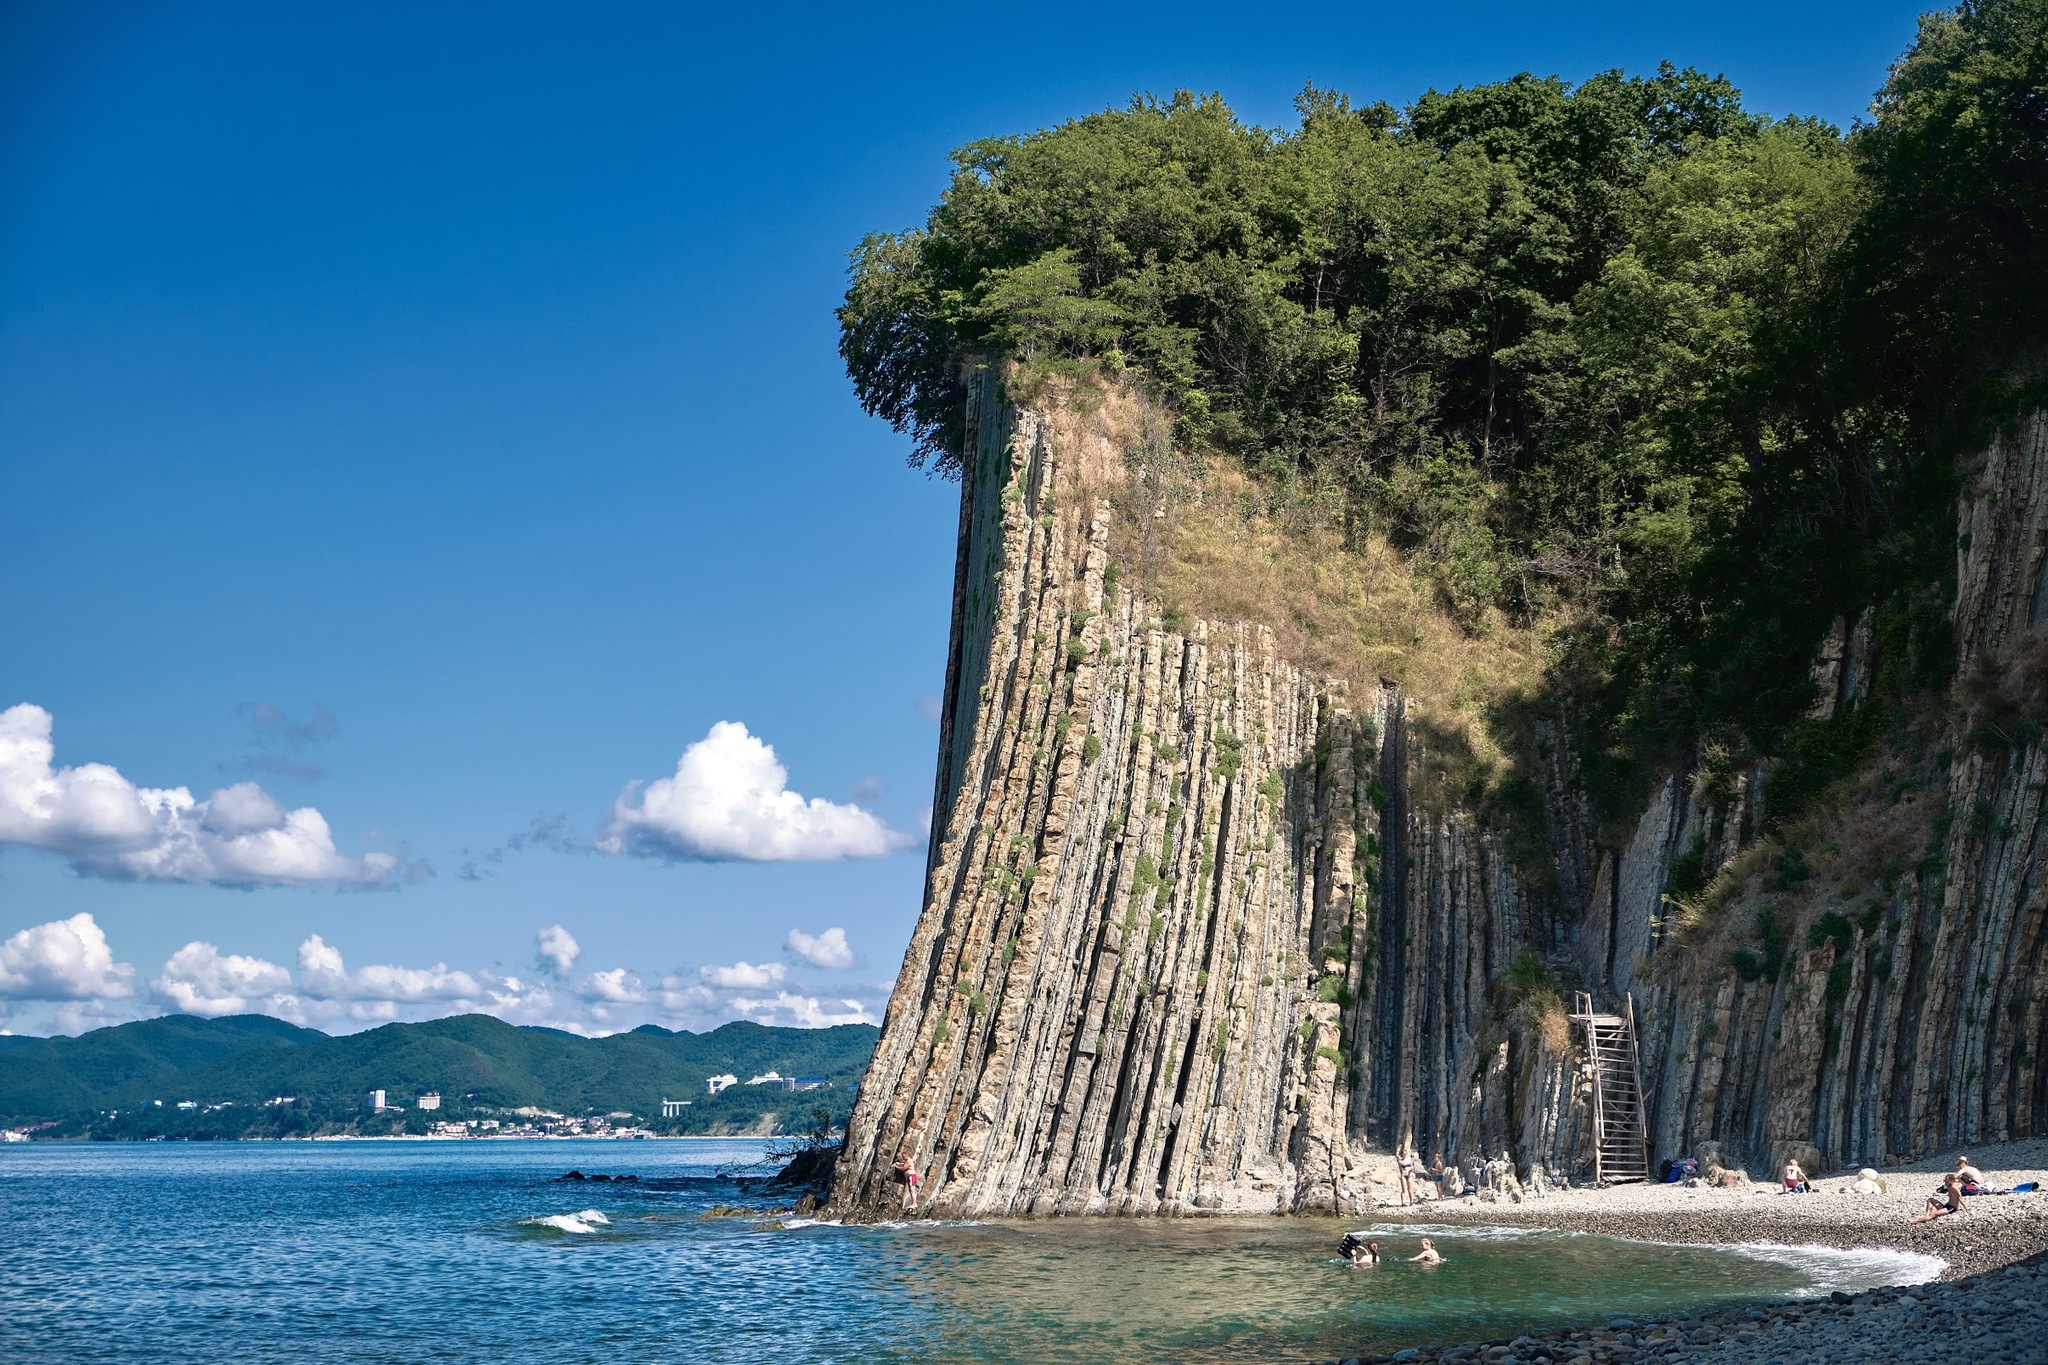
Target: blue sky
<point x="430" y="414"/>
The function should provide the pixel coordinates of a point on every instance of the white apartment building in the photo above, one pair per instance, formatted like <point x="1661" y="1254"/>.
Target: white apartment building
<point x="430" y="1100"/>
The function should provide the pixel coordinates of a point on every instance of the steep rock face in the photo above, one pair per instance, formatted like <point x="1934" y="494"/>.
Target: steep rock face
<point x="1184" y="943"/>
<point x="1192" y="939"/>
<point x="1913" y="1014"/>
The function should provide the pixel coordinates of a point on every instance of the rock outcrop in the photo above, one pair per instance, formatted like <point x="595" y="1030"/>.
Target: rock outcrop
<point x="1192" y="939"/>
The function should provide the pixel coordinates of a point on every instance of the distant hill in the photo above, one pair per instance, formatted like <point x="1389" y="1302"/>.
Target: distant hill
<point x="477" y="1063"/>
<point x="49" y="1078"/>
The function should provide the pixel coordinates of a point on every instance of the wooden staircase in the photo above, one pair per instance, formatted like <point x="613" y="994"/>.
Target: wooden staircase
<point x="1621" y="1149"/>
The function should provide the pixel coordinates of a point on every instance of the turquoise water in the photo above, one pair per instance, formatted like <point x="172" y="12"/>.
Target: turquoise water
<point x="388" y="1251"/>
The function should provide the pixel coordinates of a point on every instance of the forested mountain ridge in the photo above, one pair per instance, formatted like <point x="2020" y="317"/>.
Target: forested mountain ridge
<point x="475" y="1062"/>
<point x="1423" y="563"/>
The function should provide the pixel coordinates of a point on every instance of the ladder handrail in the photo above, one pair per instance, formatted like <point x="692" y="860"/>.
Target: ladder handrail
<point x="1620" y="1150"/>
<point x="1635" y="1067"/>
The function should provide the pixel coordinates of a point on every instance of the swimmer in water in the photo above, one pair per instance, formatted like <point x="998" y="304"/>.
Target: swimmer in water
<point x="1358" y="1250"/>
<point x="1429" y="1254"/>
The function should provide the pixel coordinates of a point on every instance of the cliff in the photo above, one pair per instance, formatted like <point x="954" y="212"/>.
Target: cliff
<point x="1186" y="942"/>
<point x="1203" y="929"/>
<point x="1876" y="991"/>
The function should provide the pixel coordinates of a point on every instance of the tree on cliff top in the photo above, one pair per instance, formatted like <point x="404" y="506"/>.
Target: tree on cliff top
<point x="1620" y="346"/>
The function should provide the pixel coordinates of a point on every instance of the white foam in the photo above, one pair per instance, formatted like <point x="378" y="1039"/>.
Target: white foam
<point x="585" y="1220"/>
<point x="1830" y="1268"/>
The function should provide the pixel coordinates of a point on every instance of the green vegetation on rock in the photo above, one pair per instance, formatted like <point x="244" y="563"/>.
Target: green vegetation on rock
<point x="1681" y="381"/>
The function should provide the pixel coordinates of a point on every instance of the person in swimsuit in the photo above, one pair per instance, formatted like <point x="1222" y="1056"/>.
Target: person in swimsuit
<point x="1429" y="1255"/>
<point x="1436" y="1173"/>
<point x="1358" y="1250"/>
<point x="903" y="1175"/>
<point x="1795" y="1179"/>
<point x="1949" y="1201"/>
<point x="1971" y="1178"/>
<point x="1407" y="1163"/>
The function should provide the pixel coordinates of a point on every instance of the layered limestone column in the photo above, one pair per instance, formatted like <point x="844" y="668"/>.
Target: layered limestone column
<point x="1152" y="973"/>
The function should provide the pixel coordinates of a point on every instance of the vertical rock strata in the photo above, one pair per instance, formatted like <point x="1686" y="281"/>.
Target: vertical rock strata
<point x="1184" y="946"/>
<point x="1188" y="943"/>
<point x="1914" y="1019"/>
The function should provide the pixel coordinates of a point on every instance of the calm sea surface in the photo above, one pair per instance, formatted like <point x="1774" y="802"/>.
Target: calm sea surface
<point x="403" y="1251"/>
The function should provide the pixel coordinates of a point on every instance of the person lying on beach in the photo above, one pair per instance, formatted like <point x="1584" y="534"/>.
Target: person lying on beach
<point x="1429" y="1255"/>
<point x="1949" y="1201"/>
<point x="1795" y="1179"/>
<point x="1356" y="1249"/>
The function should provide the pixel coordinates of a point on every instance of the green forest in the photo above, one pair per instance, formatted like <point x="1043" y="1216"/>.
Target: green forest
<point x="1679" y="379"/>
<point x="127" y="1081"/>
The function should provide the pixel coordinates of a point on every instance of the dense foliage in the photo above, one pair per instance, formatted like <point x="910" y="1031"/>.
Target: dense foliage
<point x="473" y="1061"/>
<point x="1621" y="353"/>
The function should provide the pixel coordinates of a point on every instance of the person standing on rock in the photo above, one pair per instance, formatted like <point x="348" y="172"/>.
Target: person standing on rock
<point x="904" y="1175"/>
<point x="1436" y="1173"/>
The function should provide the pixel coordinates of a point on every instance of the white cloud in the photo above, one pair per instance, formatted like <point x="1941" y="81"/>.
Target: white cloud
<point x="743" y="976"/>
<point x="323" y="974"/>
<point x="801" y="1011"/>
<point x="66" y="959"/>
<point x="109" y="827"/>
<point x="829" y="950"/>
<point x="730" y="799"/>
<point x="616" y="986"/>
<point x="200" y="979"/>
<point x="556" y="949"/>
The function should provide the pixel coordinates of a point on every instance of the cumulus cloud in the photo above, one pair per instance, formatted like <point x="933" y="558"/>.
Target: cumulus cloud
<point x="200" y="979"/>
<point x="616" y="986"/>
<point x="730" y="800"/>
<point x="556" y="950"/>
<point x="109" y="827"/>
<point x="801" y="1011"/>
<point x="829" y="950"/>
<point x="322" y="973"/>
<point x="66" y="959"/>
<point x="743" y="976"/>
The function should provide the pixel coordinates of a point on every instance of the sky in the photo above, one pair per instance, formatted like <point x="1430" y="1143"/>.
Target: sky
<point x="443" y="566"/>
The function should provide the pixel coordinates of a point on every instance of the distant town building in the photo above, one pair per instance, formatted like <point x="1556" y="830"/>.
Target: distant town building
<point x="376" y="1101"/>
<point x="773" y="1078"/>
<point x="188" y="1104"/>
<point x="671" y="1108"/>
<point x="800" y="1083"/>
<point x="718" y="1083"/>
<point x="430" y="1100"/>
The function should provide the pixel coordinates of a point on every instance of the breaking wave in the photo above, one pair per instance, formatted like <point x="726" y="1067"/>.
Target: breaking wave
<point x="586" y="1220"/>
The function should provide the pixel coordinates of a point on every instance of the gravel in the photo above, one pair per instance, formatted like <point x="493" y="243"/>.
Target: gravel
<point x="1993" y="1317"/>
<point x="1992" y="1230"/>
<point x="1991" y="1304"/>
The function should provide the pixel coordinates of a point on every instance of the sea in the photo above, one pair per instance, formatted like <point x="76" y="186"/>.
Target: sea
<point x="424" y="1250"/>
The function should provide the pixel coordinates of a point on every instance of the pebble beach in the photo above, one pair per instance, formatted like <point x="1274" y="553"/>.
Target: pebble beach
<point x="1989" y="1304"/>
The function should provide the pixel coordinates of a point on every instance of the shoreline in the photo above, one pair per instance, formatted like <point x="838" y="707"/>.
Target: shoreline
<point x="1984" y="1305"/>
<point x="1991" y="1231"/>
<point x="1994" y="1316"/>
